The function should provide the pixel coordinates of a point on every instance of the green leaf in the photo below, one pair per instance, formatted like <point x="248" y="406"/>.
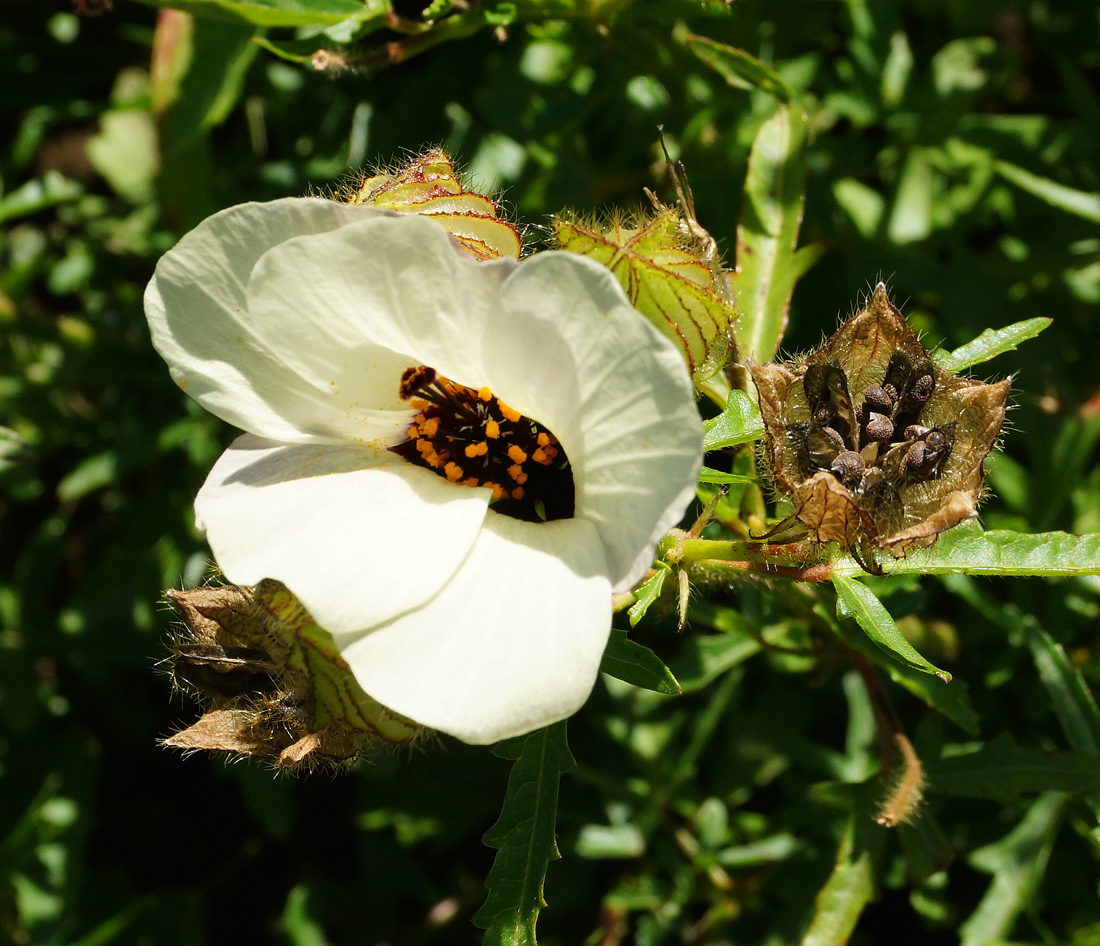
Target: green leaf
<point x="281" y="12"/>
<point x="739" y="423"/>
<point x="989" y="344"/>
<point x="706" y="657"/>
<point x="648" y="592"/>
<point x="767" y="264"/>
<point x="736" y="66"/>
<point x="13" y="449"/>
<point x="1000" y="771"/>
<point x="1079" y="203"/>
<point x="950" y="699"/>
<point x="633" y="663"/>
<point x="1070" y="696"/>
<point x="1017" y="863"/>
<point x="966" y="549"/>
<point x="40" y="194"/>
<point x="840" y="902"/>
<point x="707" y="475"/>
<point x="524" y="836"/>
<point x="861" y="603"/>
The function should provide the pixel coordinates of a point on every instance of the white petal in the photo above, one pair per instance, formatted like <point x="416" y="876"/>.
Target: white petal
<point x="512" y="643"/>
<point x="358" y="534"/>
<point x="391" y="292"/>
<point x="196" y="305"/>
<point x="567" y="349"/>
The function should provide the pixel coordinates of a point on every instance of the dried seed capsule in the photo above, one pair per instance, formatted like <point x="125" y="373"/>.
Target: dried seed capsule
<point x="848" y="467"/>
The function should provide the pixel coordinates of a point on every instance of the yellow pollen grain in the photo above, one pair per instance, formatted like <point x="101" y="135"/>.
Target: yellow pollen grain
<point x="413" y="432"/>
<point x="516" y="454"/>
<point x="517" y="493"/>
<point x="539" y="456"/>
<point x="453" y="472"/>
<point x="471" y="481"/>
<point x="492" y="430"/>
<point x="477" y="449"/>
<point x="498" y="490"/>
<point x="544" y="439"/>
<point x="510" y="413"/>
<point x="485" y="394"/>
<point x="429" y="427"/>
<point x="516" y="472"/>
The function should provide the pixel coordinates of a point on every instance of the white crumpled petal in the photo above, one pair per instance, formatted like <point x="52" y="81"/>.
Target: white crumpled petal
<point x="358" y="534"/>
<point x="512" y="643"/>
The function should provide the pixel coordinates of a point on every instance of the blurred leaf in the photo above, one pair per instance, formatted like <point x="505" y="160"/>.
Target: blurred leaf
<point x="736" y="66"/>
<point x="911" y="218"/>
<point x="838" y="905"/>
<point x="635" y="664"/>
<point x="862" y="203"/>
<point x="13" y="449"/>
<point x="707" y="475"/>
<point x="92" y="473"/>
<point x="706" y="657"/>
<point x="989" y="344"/>
<point x="739" y="423"/>
<point x="926" y="850"/>
<point x="860" y="602"/>
<point x="125" y="153"/>
<point x="769" y="850"/>
<point x="1001" y="771"/>
<point x="648" y="592"/>
<point x="1017" y="863"/>
<point x="282" y="12"/>
<point x="524" y="836"/>
<point x="301" y="928"/>
<point x="1070" y="696"/>
<point x="47" y="191"/>
<point x="968" y="550"/>
<point x="768" y="265"/>
<point x="1080" y="203"/>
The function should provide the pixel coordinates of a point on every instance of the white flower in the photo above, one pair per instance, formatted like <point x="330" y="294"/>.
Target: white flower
<point x="295" y="320"/>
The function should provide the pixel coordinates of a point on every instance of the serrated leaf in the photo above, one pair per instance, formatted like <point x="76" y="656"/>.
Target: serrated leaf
<point x="862" y="604"/>
<point x="966" y="549"/>
<point x="838" y="905"/>
<point x="1018" y="862"/>
<point x="768" y="265"/>
<point x="282" y="12"/>
<point x="989" y="344"/>
<point x="1079" y="203"/>
<point x="740" y="69"/>
<point x="739" y="423"/>
<point x="524" y="836"/>
<point x="647" y="592"/>
<point x="636" y="664"/>
<point x="1001" y="771"/>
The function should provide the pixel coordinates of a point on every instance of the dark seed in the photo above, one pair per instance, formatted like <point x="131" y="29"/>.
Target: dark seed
<point x="879" y="427"/>
<point x="922" y="388"/>
<point x="878" y="400"/>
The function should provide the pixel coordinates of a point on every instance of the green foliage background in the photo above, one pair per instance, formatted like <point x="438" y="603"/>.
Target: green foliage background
<point x="953" y="149"/>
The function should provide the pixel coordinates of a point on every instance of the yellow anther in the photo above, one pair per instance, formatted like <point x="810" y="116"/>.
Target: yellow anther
<point x="510" y="413"/>
<point x="492" y="430"/>
<point x="544" y="439"/>
<point x="516" y="455"/>
<point x="517" y="493"/>
<point x="516" y="472"/>
<point x="477" y="449"/>
<point x="413" y="432"/>
<point x="485" y="394"/>
<point x="471" y="481"/>
<point x="429" y="427"/>
<point x="540" y="457"/>
<point x="453" y="472"/>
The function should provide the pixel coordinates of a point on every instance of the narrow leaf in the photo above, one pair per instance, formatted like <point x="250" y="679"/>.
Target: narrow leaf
<point x="647" y="592"/>
<point x="282" y="12"/>
<point x="767" y="233"/>
<point x="840" y="902"/>
<point x="737" y="67"/>
<point x="707" y="475"/>
<point x="739" y="423"/>
<point x="861" y="603"/>
<point x="1017" y="862"/>
<point x="1001" y="771"/>
<point x="1079" y="203"/>
<point x="966" y="549"/>
<point x="627" y="660"/>
<point x="524" y="836"/>
<point x="1070" y="696"/>
<point x="990" y="343"/>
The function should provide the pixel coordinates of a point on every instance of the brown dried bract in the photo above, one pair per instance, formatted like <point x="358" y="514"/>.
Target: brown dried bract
<point x="255" y="658"/>
<point x="874" y="444"/>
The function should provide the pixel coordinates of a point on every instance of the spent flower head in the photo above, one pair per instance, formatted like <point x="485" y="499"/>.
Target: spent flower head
<point x="874" y="444"/>
<point x="453" y="464"/>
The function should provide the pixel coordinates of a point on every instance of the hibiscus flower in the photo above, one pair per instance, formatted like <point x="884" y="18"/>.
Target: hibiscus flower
<point x="465" y="572"/>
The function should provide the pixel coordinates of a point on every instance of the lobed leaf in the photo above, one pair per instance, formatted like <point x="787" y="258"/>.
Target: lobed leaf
<point x="524" y="836"/>
<point x="648" y="592"/>
<point x="637" y="665"/>
<point x="989" y="344"/>
<point x="861" y="603"/>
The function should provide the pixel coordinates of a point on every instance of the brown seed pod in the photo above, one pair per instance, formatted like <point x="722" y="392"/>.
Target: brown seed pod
<point x="921" y="434"/>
